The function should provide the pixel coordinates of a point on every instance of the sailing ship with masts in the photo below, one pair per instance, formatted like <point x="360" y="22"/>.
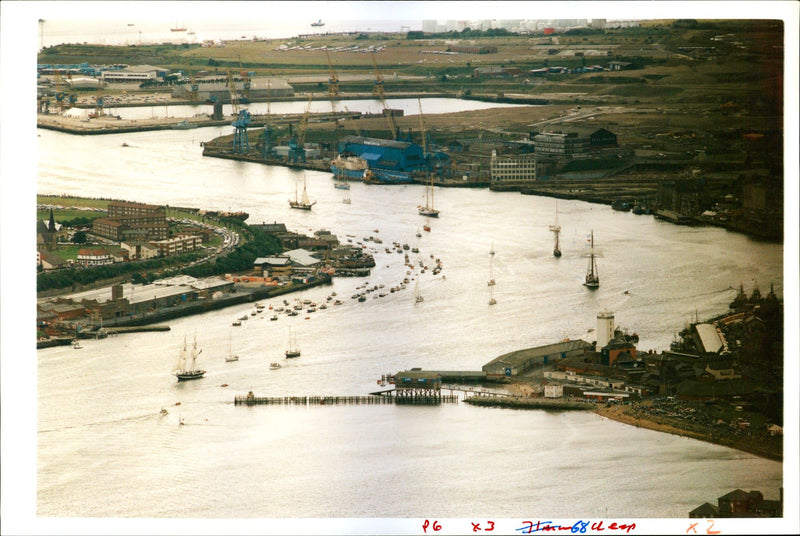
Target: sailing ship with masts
<point x="592" y="277"/>
<point x="231" y="356"/>
<point x="303" y="203"/>
<point x="491" y="281"/>
<point x="293" y="350"/>
<point x="556" y="228"/>
<point x="186" y="368"/>
<point x="428" y="209"/>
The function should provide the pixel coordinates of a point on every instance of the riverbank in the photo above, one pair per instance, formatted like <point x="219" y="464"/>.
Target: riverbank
<point x="769" y="448"/>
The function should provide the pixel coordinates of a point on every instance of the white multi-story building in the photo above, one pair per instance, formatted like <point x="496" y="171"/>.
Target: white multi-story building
<point x="514" y="168"/>
<point x="134" y="73"/>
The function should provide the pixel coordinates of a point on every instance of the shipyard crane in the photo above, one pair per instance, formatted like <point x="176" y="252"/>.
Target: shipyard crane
<point x="265" y="140"/>
<point x="194" y="88"/>
<point x="99" y="111"/>
<point x="424" y="136"/>
<point x="233" y="93"/>
<point x="378" y="90"/>
<point x="241" y="121"/>
<point x="333" y="79"/>
<point x="245" y="82"/>
<point x="349" y="118"/>
<point x="64" y="100"/>
<point x="297" y="150"/>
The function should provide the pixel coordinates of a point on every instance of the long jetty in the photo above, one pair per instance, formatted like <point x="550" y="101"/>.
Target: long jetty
<point x="524" y="402"/>
<point x="251" y="400"/>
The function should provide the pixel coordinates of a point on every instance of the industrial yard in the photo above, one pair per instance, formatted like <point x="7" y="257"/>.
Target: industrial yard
<point x="695" y="105"/>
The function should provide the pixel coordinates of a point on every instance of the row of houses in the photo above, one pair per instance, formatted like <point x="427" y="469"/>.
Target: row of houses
<point x="129" y="251"/>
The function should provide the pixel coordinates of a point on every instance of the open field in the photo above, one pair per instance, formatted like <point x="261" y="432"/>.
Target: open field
<point x="721" y="60"/>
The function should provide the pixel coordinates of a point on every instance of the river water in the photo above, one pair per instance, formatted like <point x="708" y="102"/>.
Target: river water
<point x="104" y="450"/>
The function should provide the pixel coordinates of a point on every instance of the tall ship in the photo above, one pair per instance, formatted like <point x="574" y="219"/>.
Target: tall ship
<point x="556" y="228"/>
<point x="428" y="209"/>
<point x="186" y="368"/>
<point x="592" y="277"/>
<point x="349" y="167"/>
<point x="303" y="203"/>
<point x="293" y="350"/>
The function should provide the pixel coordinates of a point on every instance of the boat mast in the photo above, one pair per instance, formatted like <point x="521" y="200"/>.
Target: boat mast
<point x="556" y="229"/>
<point x="182" y="356"/>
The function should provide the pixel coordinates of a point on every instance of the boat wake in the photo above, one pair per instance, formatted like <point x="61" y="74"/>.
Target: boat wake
<point x="134" y="418"/>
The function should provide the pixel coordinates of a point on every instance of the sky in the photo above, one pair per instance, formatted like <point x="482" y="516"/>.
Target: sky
<point x="385" y="10"/>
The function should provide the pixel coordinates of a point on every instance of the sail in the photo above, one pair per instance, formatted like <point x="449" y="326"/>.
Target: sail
<point x="192" y="362"/>
<point x="304" y="199"/>
<point x="181" y="362"/>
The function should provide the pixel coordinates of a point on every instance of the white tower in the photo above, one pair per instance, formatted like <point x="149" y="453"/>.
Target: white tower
<point x="605" y="328"/>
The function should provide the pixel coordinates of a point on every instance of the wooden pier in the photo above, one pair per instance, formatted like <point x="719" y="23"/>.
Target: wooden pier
<point x="386" y="397"/>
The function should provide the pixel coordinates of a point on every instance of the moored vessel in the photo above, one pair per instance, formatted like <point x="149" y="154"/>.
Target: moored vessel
<point x="349" y="167"/>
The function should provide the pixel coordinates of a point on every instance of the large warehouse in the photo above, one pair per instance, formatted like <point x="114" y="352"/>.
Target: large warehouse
<point x="515" y="363"/>
<point x="217" y="87"/>
<point x="400" y="157"/>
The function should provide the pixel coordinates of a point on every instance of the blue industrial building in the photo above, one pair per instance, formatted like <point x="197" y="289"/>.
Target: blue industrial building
<point x="391" y="160"/>
<point x="383" y="154"/>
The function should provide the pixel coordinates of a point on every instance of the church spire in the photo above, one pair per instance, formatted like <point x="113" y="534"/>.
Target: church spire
<point x="51" y="226"/>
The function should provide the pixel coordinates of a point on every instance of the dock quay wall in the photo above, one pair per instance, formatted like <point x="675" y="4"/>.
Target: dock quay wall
<point x="520" y="402"/>
<point x="252" y="400"/>
<point x="241" y="296"/>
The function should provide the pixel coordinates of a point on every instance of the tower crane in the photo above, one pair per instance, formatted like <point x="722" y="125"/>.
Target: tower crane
<point x="333" y="79"/>
<point x="424" y="136"/>
<point x="241" y="142"/>
<point x="265" y="140"/>
<point x="377" y="89"/>
<point x="245" y="82"/>
<point x="233" y="93"/>
<point x="64" y="100"/>
<point x="99" y="111"/>
<point x="194" y="88"/>
<point x="297" y="150"/>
